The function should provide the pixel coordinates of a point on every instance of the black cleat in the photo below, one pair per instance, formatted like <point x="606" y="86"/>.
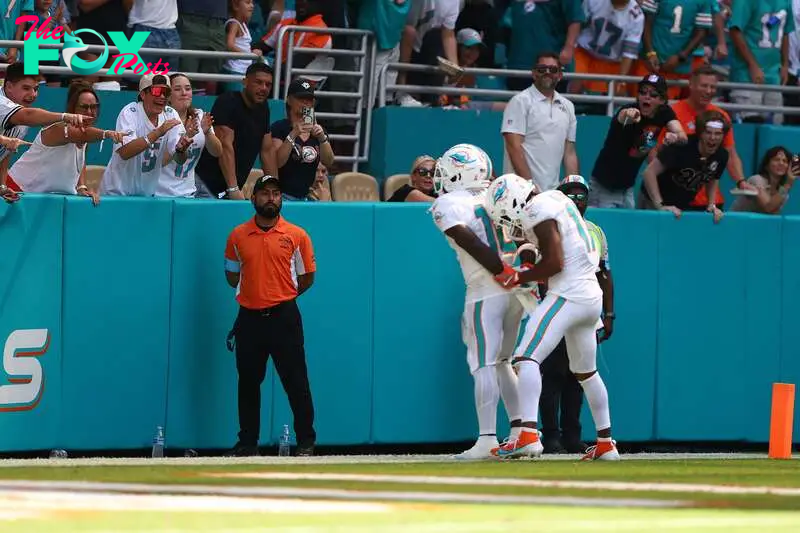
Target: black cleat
<point x="243" y="450"/>
<point x="304" y="451"/>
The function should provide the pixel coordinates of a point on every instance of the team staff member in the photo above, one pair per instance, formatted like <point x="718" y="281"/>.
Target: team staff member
<point x="271" y="262"/>
<point x="673" y="178"/>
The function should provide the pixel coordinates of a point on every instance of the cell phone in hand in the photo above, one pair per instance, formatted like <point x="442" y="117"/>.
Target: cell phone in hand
<point x="308" y="115"/>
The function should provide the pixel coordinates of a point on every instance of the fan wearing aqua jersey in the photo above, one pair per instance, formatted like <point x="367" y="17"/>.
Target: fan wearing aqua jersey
<point x="760" y="31"/>
<point x="673" y="29"/>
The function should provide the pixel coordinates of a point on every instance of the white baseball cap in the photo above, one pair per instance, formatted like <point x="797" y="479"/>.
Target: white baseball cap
<point x="469" y="37"/>
<point x="148" y="80"/>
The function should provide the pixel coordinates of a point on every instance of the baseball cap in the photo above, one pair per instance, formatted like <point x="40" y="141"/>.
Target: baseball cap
<point x="469" y="37"/>
<point x="265" y="180"/>
<point x="148" y="80"/>
<point x="573" y="179"/>
<point x="657" y="82"/>
<point x="301" y="87"/>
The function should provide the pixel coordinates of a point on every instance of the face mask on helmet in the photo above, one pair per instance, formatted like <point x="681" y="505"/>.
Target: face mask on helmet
<point x="505" y="200"/>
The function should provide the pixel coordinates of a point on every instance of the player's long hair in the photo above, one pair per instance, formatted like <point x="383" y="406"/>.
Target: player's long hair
<point x="76" y="89"/>
<point x="763" y="169"/>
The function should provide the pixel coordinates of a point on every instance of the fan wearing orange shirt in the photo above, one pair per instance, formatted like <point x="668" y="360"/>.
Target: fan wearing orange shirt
<point x="702" y="89"/>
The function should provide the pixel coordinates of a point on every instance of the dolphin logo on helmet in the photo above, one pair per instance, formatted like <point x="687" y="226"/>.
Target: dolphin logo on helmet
<point x="462" y="167"/>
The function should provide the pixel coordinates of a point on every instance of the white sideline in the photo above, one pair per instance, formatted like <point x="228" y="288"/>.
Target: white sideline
<point x="309" y="493"/>
<point x="518" y="482"/>
<point x="341" y="459"/>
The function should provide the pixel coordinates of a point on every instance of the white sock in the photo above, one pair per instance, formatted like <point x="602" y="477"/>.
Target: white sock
<point x="507" y="380"/>
<point x="487" y="396"/>
<point x="597" y="396"/>
<point x="530" y="388"/>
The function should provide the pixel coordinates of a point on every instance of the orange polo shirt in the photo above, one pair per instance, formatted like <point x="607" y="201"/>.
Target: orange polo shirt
<point x="268" y="262"/>
<point x="301" y="39"/>
<point x="687" y="116"/>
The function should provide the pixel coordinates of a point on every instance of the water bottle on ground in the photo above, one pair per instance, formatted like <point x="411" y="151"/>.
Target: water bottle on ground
<point x="158" y="442"/>
<point x="284" y="449"/>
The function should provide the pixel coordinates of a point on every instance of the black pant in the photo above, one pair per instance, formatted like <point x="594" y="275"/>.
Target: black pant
<point x="561" y="388"/>
<point x="791" y="100"/>
<point x="276" y="332"/>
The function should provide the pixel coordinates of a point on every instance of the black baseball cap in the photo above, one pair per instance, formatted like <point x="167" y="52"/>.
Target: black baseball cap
<point x="265" y="180"/>
<point x="301" y="88"/>
<point x="657" y="82"/>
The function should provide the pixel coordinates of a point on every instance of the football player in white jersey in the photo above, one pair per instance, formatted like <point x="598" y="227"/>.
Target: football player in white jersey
<point x="492" y="314"/>
<point x="571" y="309"/>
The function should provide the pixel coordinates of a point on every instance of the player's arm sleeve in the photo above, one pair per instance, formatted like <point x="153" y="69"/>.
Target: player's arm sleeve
<point x="7" y="110"/>
<point x="514" y="117"/>
<point x="704" y="18"/>
<point x="650" y="6"/>
<point x="632" y="40"/>
<point x="446" y="214"/>
<point x="306" y="263"/>
<point x="575" y="12"/>
<point x="740" y="14"/>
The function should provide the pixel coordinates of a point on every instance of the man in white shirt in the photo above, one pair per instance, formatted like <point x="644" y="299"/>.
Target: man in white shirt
<point x="155" y="136"/>
<point x="539" y="128"/>
<point x="159" y="18"/>
<point x="16" y="96"/>
<point x="430" y="32"/>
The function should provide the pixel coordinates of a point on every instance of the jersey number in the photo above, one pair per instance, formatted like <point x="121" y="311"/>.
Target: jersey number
<point x="150" y="157"/>
<point x="677" y="16"/>
<point x="582" y="231"/>
<point x="192" y="156"/>
<point x="495" y="234"/>
<point x="612" y="33"/>
<point x="768" y="20"/>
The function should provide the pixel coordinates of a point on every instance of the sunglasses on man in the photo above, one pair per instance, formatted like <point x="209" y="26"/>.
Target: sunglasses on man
<point x="159" y="90"/>
<point x="577" y="196"/>
<point x="547" y="69"/>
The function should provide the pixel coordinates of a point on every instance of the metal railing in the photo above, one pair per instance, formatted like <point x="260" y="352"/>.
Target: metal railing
<point x="611" y="99"/>
<point x="366" y="60"/>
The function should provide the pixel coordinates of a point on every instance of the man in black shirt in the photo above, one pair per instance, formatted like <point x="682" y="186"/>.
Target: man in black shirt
<point x="241" y="121"/>
<point x="672" y="179"/>
<point x="632" y="134"/>
<point x="300" y="143"/>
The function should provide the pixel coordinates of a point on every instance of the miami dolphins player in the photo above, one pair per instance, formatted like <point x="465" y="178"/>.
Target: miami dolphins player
<point x="492" y="314"/>
<point x="571" y="309"/>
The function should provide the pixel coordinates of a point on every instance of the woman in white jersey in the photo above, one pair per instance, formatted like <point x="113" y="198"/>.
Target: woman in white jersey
<point x="178" y="179"/>
<point x="56" y="161"/>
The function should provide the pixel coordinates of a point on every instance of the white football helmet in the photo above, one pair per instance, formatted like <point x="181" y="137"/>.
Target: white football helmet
<point x="504" y="200"/>
<point x="462" y="167"/>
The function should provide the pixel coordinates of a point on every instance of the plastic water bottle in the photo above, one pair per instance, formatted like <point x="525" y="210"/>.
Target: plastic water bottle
<point x="283" y="443"/>
<point x="158" y="442"/>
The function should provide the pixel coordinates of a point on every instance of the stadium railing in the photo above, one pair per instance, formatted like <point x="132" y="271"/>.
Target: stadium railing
<point x="611" y="99"/>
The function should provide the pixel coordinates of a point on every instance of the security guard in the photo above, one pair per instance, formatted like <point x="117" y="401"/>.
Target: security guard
<point x="271" y="262"/>
<point x="560" y="390"/>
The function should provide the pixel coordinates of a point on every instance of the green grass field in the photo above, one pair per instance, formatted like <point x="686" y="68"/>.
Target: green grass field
<point x="378" y="495"/>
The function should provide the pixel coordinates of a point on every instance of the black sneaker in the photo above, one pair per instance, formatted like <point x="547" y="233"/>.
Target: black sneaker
<point x="575" y="446"/>
<point x="243" y="450"/>
<point x="553" y="446"/>
<point x="304" y="451"/>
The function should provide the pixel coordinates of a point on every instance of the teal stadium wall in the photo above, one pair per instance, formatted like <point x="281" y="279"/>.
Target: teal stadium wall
<point x="134" y="299"/>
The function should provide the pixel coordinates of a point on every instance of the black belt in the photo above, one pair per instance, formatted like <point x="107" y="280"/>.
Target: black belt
<point x="265" y="312"/>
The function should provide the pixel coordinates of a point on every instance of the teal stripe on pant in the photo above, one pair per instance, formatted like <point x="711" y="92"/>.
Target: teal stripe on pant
<point x="480" y="336"/>
<point x="543" y="325"/>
